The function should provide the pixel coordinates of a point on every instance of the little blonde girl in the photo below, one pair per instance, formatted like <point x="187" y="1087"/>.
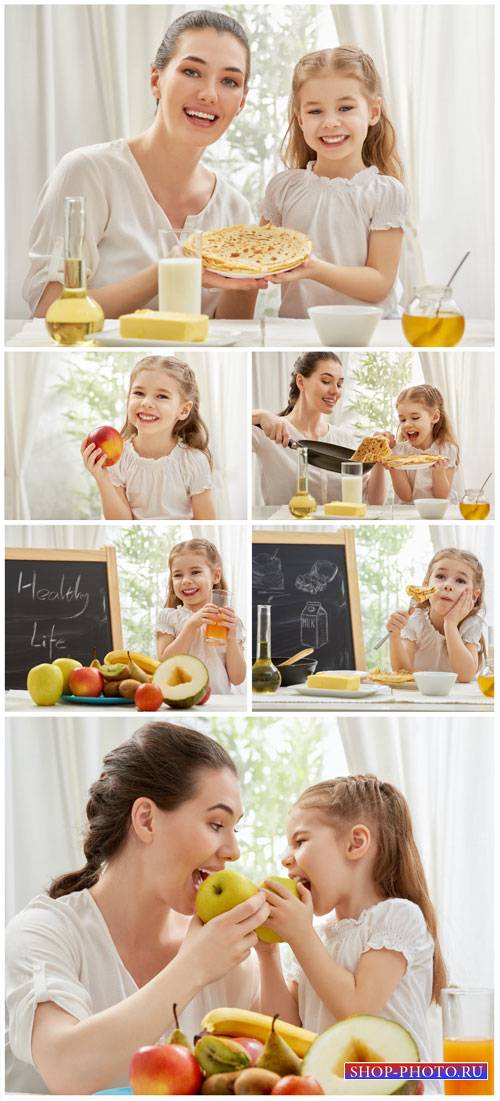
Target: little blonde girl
<point x="424" y="425"/>
<point x="445" y="632"/>
<point x="195" y="569"/>
<point x="164" y="471"/>
<point x="342" y="188"/>
<point x="351" y="850"/>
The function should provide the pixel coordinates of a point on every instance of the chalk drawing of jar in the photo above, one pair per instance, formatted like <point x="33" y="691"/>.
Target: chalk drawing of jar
<point x="313" y="624"/>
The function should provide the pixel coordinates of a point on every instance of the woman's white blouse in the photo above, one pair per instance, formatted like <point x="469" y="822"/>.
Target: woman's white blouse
<point x="172" y="620"/>
<point x="61" y="951"/>
<point x="162" y="488"/>
<point x="395" y="924"/>
<point x="421" y="477"/>
<point x="431" y="652"/>
<point x="277" y="467"/>
<point x="337" y="215"/>
<point x="122" y="223"/>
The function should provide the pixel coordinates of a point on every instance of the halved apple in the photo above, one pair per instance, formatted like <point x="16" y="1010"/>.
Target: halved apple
<point x="361" y="1039"/>
<point x="183" y="680"/>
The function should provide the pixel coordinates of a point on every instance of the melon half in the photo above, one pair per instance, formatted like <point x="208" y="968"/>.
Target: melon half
<point x="361" y="1039"/>
<point x="183" y="680"/>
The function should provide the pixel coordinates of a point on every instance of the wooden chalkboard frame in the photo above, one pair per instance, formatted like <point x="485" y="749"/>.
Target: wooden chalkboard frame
<point x="345" y="537"/>
<point x="106" y="554"/>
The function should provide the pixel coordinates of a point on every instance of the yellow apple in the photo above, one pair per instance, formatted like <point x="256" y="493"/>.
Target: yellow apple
<point x="263" y="933"/>
<point x="45" y="684"/>
<point x="66" y="665"/>
<point x="220" y="892"/>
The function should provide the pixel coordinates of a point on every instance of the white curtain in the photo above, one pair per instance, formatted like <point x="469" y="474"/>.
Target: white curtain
<point x="63" y="536"/>
<point x="22" y="411"/>
<point x="36" y="444"/>
<point x="88" y="82"/>
<point x="467" y="382"/>
<point x="436" y="64"/>
<point x="479" y="540"/>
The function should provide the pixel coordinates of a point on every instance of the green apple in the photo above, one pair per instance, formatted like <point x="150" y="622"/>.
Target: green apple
<point x="66" y="665"/>
<point x="220" y="892"/>
<point x="45" y="684"/>
<point x="263" y="933"/>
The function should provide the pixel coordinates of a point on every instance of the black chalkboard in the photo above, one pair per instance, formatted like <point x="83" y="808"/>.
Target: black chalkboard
<point x="310" y="581"/>
<point x="58" y="604"/>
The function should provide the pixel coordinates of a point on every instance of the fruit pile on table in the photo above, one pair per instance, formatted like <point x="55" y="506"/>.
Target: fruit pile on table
<point x="181" y="681"/>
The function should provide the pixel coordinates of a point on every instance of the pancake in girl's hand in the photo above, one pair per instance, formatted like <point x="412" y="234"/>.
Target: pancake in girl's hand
<point x="252" y="249"/>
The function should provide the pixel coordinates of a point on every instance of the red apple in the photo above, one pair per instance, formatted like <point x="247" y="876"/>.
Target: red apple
<point x="86" y="681"/>
<point x="253" y="1048"/>
<point x="295" y="1083"/>
<point x="109" y="441"/>
<point x="206" y="697"/>
<point x="148" y="697"/>
<point x="166" y="1069"/>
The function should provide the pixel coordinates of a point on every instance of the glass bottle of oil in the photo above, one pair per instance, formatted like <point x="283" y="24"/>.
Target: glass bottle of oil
<point x="486" y="678"/>
<point x="432" y="319"/>
<point x="265" y="676"/>
<point x="74" y="315"/>
<point x="302" y="503"/>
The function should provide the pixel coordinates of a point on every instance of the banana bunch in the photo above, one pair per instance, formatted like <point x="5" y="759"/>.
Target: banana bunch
<point x="123" y="674"/>
<point x="244" y="1022"/>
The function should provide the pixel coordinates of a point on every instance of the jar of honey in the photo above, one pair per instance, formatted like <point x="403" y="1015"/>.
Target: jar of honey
<point x="473" y="505"/>
<point x="432" y="319"/>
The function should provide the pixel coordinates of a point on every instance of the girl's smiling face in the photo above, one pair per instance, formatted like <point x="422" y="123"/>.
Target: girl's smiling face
<point x="193" y="579"/>
<point x="155" y="402"/>
<point x="416" y="423"/>
<point x="202" y="87"/>
<point x="187" y="844"/>
<point x="452" y="577"/>
<point x="334" y="116"/>
<point x="323" y="389"/>
<point x="316" y="857"/>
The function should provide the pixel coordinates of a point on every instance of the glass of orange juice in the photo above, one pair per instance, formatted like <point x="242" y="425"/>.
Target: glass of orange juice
<point x="474" y="505"/>
<point x="468" y="1036"/>
<point x="215" y="632"/>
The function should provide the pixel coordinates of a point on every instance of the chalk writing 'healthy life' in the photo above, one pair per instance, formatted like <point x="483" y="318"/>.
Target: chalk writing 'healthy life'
<point x="66" y="593"/>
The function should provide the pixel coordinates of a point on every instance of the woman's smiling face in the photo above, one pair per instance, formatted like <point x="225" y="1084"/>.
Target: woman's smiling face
<point x="202" y="88"/>
<point x="187" y="844"/>
<point x="323" y="389"/>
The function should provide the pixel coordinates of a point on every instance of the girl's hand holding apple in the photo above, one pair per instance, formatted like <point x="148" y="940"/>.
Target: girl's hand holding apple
<point x="397" y="621"/>
<point x="94" y="460"/>
<point x="226" y="940"/>
<point x="289" y="916"/>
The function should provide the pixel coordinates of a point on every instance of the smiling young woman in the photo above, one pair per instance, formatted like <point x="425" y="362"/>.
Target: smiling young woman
<point x="136" y="187"/>
<point x="94" y="966"/>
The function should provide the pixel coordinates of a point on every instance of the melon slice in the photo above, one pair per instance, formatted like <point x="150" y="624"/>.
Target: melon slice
<point x="183" y="680"/>
<point x="361" y="1039"/>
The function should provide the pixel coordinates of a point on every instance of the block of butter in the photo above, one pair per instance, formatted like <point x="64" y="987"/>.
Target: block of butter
<point x="346" y="682"/>
<point x="344" y="508"/>
<point x="156" y="325"/>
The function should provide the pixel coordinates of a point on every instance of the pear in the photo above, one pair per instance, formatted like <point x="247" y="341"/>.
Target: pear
<point x="178" y="1036"/>
<point x="278" y="1055"/>
<point x="135" y="670"/>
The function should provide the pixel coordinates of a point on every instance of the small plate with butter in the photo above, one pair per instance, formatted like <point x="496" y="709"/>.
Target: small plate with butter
<point x="346" y="685"/>
<point x="112" y="339"/>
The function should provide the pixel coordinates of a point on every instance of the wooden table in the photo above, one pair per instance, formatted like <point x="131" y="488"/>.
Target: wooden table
<point x="18" y="700"/>
<point x="463" y="697"/>
<point x="269" y="332"/>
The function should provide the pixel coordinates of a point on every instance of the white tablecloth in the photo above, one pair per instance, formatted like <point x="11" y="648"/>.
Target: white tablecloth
<point x="17" y="700"/>
<point x="271" y="332"/>
<point x="463" y="697"/>
<point x="401" y="514"/>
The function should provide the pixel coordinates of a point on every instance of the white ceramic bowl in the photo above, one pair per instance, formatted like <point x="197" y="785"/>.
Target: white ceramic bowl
<point x="435" y="684"/>
<point x="345" y="326"/>
<point x="431" y="508"/>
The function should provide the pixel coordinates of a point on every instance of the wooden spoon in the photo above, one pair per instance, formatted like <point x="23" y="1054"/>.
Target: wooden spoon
<point x="296" y="657"/>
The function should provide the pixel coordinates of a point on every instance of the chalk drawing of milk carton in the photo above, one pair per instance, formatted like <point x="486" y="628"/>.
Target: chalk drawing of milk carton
<point x="313" y="624"/>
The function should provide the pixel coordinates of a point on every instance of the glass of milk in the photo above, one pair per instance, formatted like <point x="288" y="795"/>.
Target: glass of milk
<point x="352" y="482"/>
<point x="179" y="276"/>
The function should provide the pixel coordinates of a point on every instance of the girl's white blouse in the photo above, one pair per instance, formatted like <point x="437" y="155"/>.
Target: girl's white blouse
<point x="122" y="220"/>
<point x="277" y="467"/>
<point x="172" y="620"/>
<point x="337" y="215"/>
<point x="398" y="925"/>
<point x="431" y="652"/>
<point x="162" y="488"/>
<point x="61" y="951"/>
<point x="421" y="477"/>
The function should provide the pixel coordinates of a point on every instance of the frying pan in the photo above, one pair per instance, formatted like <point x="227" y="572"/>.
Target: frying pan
<point x="327" y="456"/>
